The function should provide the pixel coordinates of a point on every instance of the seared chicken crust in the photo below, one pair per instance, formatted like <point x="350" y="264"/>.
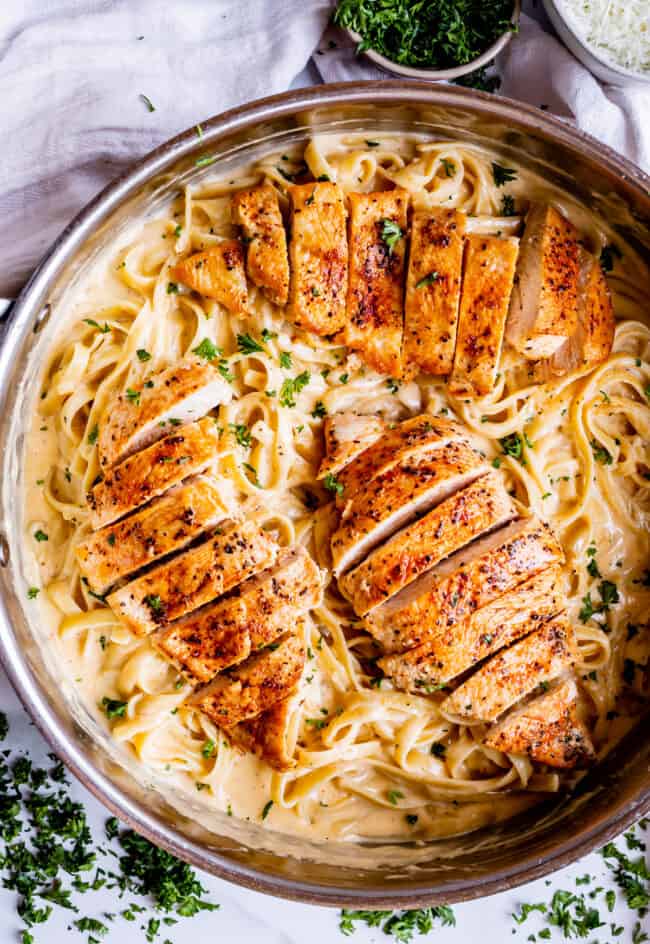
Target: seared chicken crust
<point x="217" y="272"/>
<point x="433" y="289"/>
<point x="481" y="506"/>
<point x="375" y="302"/>
<point x="149" y="473"/>
<point x="232" y="553"/>
<point x="167" y="524"/>
<point x="262" y="681"/>
<point x="257" y="211"/>
<point x="318" y="252"/>
<point x="489" y="270"/>
<point x="143" y="414"/>
<point x="547" y="729"/>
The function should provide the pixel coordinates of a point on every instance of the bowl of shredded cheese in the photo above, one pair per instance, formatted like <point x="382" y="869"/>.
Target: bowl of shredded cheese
<point x="610" y="37"/>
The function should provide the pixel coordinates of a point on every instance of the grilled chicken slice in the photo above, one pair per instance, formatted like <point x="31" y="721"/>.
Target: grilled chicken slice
<point x="547" y="729"/>
<point x="147" y="474"/>
<point x="543" y="308"/>
<point x="268" y="735"/>
<point x="264" y="680"/>
<point x="433" y="289"/>
<point x="481" y="506"/>
<point x="167" y="524"/>
<point x="397" y="497"/>
<point x="489" y="271"/>
<point x="591" y="342"/>
<point x="514" y="673"/>
<point x="414" y="436"/>
<point x="253" y="615"/>
<point x="233" y="553"/>
<point x="446" y="651"/>
<point x="217" y="272"/>
<point x="319" y="257"/>
<point x="347" y="435"/>
<point x="375" y="310"/>
<point x="465" y="582"/>
<point x="257" y="211"/>
<point x="139" y="417"/>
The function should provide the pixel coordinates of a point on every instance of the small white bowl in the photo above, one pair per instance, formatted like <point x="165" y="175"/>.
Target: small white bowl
<point x="604" y="69"/>
<point x="439" y="75"/>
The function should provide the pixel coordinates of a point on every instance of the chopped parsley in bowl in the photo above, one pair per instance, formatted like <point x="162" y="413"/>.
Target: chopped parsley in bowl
<point x="434" y="39"/>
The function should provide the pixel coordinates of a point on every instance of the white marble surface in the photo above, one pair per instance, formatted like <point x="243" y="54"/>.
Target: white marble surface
<point x="246" y="917"/>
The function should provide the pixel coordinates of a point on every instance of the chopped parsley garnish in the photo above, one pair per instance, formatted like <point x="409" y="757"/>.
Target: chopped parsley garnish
<point x="607" y="256"/>
<point x="319" y="410"/>
<point x="154" y="603"/>
<point x="143" y="355"/>
<point x="427" y="280"/>
<point x="601" y="454"/>
<point x="438" y="33"/>
<point x="207" y="349"/>
<point x="248" y="345"/>
<point x="148" y="102"/>
<point x="133" y="396"/>
<point x="392" y="385"/>
<point x="32" y="593"/>
<point x="507" y="205"/>
<point x="402" y="925"/>
<point x="225" y="371"/>
<point x="241" y="434"/>
<point x="332" y="484"/>
<point x="291" y="387"/>
<point x="205" y="160"/>
<point x="344" y="378"/>
<point x="391" y="234"/>
<point x="172" y="288"/>
<point x="285" y="360"/>
<point x="438" y="750"/>
<point x="93" y="434"/>
<point x="513" y="446"/>
<point x="268" y="335"/>
<point x="114" y="708"/>
<point x="105" y="328"/>
<point x="40" y="535"/>
<point x="267" y="809"/>
<point x="394" y="796"/>
<point x="502" y="175"/>
<point x="253" y="472"/>
<point x="209" y="749"/>
<point x="448" y="166"/>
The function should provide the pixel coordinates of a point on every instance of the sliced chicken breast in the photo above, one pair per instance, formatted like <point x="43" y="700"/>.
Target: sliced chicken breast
<point x="508" y="677"/>
<point x="167" y="524"/>
<point x="257" y="211"/>
<point x="375" y="303"/>
<point x="399" y="496"/>
<point x="140" y="416"/>
<point x="446" y="651"/>
<point x="543" y="308"/>
<point x="232" y="553"/>
<point x="489" y="271"/>
<point x="591" y="343"/>
<point x="261" y="682"/>
<point x="414" y="436"/>
<point x="217" y="272"/>
<point x="318" y="254"/>
<point x="147" y="474"/>
<point x="346" y="435"/>
<point x="547" y="729"/>
<point x="269" y="734"/>
<point x="481" y="506"/>
<point x="465" y="582"/>
<point x="253" y="615"/>
<point x="433" y="289"/>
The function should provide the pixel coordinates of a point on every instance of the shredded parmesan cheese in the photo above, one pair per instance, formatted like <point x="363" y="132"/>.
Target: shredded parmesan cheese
<point x="618" y="30"/>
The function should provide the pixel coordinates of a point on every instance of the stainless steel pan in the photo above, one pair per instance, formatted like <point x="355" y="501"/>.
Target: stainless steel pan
<point x="608" y="800"/>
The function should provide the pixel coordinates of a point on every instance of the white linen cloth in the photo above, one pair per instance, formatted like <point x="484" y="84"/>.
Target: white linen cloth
<point x="72" y="73"/>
